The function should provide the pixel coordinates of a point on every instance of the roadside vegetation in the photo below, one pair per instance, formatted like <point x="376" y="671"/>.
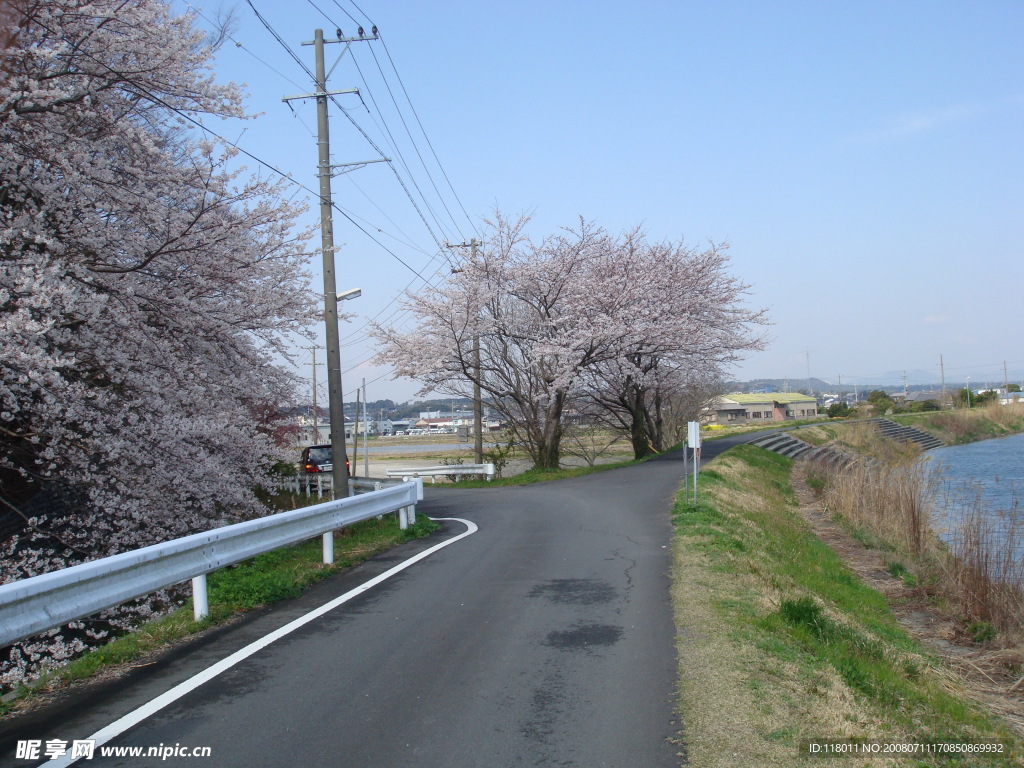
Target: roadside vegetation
<point x="779" y="641"/>
<point x="535" y="475"/>
<point x="978" y="582"/>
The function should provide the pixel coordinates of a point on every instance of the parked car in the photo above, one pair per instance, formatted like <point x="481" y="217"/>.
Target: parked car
<point x="317" y="458"/>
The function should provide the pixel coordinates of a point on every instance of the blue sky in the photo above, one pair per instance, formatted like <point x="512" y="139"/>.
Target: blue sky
<point x="864" y="160"/>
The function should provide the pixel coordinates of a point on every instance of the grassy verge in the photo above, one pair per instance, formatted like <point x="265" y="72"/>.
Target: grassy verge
<point x="265" y="579"/>
<point x="779" y="641"/>
<point x="968" y="425"/>
<point x="718" y="432"/>
<point x="531" y="476"/>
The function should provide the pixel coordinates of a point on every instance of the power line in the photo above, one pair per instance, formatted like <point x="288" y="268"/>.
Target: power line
<point x="411" y="139"/>
<point x="394" y="143"/>
<point x="411" y="106"/>
<point x="441" y="251"/>
<point x="425" y="136"/>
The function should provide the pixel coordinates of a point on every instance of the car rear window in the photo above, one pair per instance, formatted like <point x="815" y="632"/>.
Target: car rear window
<point x="320" y="454"/>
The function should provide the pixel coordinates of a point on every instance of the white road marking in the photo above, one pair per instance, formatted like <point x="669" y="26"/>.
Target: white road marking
<point x="136" y="716"/>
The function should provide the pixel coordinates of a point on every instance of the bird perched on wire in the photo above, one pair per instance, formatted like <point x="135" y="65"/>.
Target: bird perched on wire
<point x="361" y="32"/>
<point x="338" y="30"/>
<point x="374" y="31"/>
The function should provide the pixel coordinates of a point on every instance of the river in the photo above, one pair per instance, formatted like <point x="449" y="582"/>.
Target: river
<point x="986" y="476"/>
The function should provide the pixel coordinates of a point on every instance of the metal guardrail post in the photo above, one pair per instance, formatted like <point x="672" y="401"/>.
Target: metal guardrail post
<point x="200" y="598"/>
<point x="328" y="547"/>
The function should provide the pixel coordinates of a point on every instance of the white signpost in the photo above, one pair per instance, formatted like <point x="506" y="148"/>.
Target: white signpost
<point x="693" y="440"/>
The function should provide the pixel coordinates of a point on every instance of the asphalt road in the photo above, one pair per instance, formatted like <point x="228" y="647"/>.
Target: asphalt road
<point x="545" y="637"/>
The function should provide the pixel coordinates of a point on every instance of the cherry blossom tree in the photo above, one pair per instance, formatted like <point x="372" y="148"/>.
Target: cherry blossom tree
<point x="684" y="322"/>
<point x="146" y="283"/>
<point x="579" y="315"/>
<point x="520" y="301"/>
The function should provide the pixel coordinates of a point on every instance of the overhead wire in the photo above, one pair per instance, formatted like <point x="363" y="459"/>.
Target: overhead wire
<point x="412" y="140"/>
<point x="418" y="275"/>
<point x="426" y="138"/>
<point x="394" y="144"/>
<point x="405" y="91"/>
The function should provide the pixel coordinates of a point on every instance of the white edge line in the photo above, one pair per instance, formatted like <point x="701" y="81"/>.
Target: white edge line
<point x="116" y="728"/>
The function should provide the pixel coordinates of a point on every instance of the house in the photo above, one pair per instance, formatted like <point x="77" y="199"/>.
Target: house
<point x="1010" y="398"/>
<point x="944" y="399"/>
<point x="435" y="425"/>
<point x="393" y="426"/>
<point x="761" y="408"/>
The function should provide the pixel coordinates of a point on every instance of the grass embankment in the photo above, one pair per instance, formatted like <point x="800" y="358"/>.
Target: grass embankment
<point x="968" y="425"/>
<point x="779" y="641"/>
<point x="532" y="476"/>
<point x="952" y="427"/>
<point x="233" y="591"/>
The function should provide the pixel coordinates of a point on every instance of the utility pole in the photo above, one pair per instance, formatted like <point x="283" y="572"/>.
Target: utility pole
<point x="355" y="435"/>
<point x="366" y="436"/>
<point x="339" y="458"/>
<point x="478" y="407"/>
<point x="316" y="419"/>
<point x="1006" y="380"/>
<point x="942" y="373"/>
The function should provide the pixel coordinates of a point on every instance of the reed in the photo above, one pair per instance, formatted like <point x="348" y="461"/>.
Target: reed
<point x="889" y="500"/>
<point x="985" y="568"/>
<point x="981" y="572"/>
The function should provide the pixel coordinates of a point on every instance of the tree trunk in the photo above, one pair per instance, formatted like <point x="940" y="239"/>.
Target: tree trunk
<point x="639" y="435"/>
<point x="549" y="446"/>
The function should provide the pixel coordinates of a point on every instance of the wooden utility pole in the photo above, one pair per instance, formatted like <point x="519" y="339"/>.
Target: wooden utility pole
<point x="316" y="415"/>
<point x="339" y="459"/>
<point x="942" y="373"/>
<point x="478" y="407"/>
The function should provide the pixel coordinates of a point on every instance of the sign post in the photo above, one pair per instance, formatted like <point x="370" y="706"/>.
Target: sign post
<point x="693" y="438"/>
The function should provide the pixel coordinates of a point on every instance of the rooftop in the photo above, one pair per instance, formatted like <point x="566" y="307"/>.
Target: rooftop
<point x="769" y="397"/>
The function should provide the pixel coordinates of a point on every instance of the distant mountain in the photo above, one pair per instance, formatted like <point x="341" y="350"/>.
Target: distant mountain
<point x="887" y="382"/>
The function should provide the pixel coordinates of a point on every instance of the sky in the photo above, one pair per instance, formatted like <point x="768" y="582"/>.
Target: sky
<point x="865" y="161"/>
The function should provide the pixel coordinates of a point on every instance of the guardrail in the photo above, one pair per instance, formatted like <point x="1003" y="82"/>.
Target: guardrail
<point x="455" y="470"/>
<point x="321" y="484"/>
<point x="50" y="600"/>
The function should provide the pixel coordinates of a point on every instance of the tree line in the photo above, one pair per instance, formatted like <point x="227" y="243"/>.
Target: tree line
<point x="146" y="283"/>
<point x="634" y="332"/>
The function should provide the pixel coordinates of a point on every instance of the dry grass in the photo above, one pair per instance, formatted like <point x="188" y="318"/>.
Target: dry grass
<point x="986" y="571"/>
<point x="889" y="500"/>
<point x="967" y="425"/>
<point x="981" y="574"/>
<point x="751" y="685"/>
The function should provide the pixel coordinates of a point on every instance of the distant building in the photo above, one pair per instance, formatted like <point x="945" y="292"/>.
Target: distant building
<point x="945" y="400"/>
<point x="761" y="408"/>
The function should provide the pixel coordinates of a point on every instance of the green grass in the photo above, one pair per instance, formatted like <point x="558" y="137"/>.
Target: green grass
<point x="966" y="426"/>
<point x="531" y="476"/>
<point x="268" y="578"/>
<point x="818" y="630"/>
